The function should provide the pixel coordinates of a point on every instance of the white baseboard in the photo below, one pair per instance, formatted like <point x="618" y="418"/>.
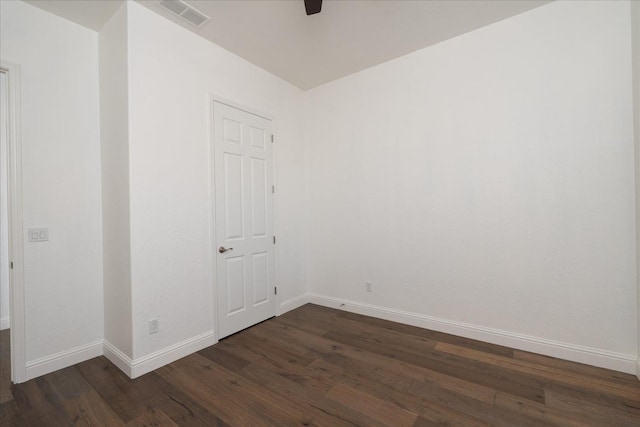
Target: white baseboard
<point x="5" y="323"/>
<point x="62" y="360"/>
<point x="293" y="303"/>
<point x="117" y="357"/>
<point x="591" y="356"/>
<point x="155" y="360"/>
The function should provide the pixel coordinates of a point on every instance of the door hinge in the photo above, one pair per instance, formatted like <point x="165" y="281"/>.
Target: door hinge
<point x="275" y="290"/>
<point x="11" y="263"/>
<point x="273" y="189"/>
<point x="272" y="138"/>
<point x="274" y="240"/>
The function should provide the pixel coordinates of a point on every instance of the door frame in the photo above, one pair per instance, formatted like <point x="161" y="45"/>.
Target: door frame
<point x="16" y="251"/>
<point x="212" y="99"/>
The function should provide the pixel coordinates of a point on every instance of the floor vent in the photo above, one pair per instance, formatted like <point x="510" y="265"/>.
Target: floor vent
<point x="184" y="11"/>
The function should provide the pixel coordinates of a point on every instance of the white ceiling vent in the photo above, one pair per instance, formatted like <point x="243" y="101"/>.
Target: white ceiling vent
<point x="185" y="11"/>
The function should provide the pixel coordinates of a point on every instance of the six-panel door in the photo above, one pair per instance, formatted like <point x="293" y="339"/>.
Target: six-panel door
<point x="243" y="219"/>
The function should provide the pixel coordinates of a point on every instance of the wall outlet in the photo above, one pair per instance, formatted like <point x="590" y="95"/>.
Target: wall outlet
<point x="154" y="326"/>
<point x="367" y="286"/>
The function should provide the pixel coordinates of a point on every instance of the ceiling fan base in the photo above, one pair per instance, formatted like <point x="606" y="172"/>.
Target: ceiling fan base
<point x="313" y="6"/>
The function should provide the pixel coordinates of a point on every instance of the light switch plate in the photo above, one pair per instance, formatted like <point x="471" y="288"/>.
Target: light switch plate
<point x="39" y="234"/>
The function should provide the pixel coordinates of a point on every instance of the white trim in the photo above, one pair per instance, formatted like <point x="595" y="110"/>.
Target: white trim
<point x="5" y="323"/>
<point x="275" y="225"/>
<point x="638" y="368"/>
<point x="592" y="356"/>
<point x="117" y="357"/>
<point x="292" y="304"/>
<point x="16" y="254"/>
<point x="63" y="359"/>
<point x="213" y="266"/>
<point x="158" y="359"/>
<point x="228" y="102"/>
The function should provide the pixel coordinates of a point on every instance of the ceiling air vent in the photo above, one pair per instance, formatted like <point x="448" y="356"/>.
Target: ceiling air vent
<point x="184" y="11"/>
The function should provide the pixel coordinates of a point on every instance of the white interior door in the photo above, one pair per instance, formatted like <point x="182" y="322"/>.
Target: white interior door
<point x="243" y="219"/>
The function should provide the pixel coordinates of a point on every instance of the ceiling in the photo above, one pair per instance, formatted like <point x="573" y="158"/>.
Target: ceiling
<point x="89" y="13"/>
<point x="307" y="51"/>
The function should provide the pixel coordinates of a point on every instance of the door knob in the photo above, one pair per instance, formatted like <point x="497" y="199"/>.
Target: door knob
<point x="222" y="249"/>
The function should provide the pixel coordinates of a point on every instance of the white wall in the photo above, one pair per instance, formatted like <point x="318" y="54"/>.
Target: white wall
<point x="635" y="55"/>
<point x="487" y="180"/>
<point x="114" y="142"/>
<point x="60" y="178"/>
<point x="4" y="213"/>
<point x="172" y="73"/>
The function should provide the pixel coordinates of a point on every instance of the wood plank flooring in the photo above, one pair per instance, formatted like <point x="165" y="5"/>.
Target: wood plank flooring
<point x="5" y="367"/>
<point x="318" y="366"/>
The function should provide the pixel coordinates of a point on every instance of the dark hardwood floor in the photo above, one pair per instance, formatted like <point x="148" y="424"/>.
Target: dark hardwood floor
<point x="5" y="367"/>
<point x="317" y="366"/>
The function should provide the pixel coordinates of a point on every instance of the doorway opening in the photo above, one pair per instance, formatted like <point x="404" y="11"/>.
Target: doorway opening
<point x="12" y="331"/>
